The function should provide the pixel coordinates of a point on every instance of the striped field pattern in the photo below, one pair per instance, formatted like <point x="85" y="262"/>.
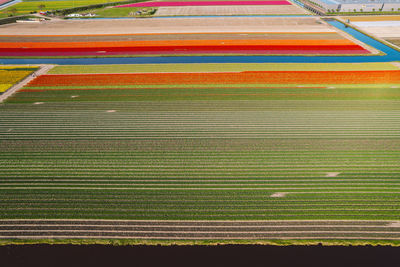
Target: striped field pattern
<point x="200" y="170"/>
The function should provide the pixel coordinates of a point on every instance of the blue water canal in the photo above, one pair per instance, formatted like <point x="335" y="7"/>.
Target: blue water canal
<point x="391" y="55"/>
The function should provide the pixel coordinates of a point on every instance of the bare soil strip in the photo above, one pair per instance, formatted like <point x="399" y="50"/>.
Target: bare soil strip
<point x="229" y="10"/>
<point x="166" y="25"/>
<point x="175" y="36"/>
<point x="192" y="238"/>
<point x="171" y="229"/>
<point x="372" y="18"/>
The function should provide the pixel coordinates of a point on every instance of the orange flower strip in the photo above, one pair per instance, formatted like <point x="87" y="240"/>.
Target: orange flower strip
<point x="249" y="77"/>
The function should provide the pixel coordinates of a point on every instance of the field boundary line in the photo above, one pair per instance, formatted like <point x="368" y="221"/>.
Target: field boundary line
<point x="196" y="221"/>
<point x="201" y="232"/>
<point x="43" y="69"/>
<point x="196" y="238"/>
<point x="192" y="226"/>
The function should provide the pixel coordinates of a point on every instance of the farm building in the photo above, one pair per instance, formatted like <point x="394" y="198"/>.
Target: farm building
<point x="327" y="6"/>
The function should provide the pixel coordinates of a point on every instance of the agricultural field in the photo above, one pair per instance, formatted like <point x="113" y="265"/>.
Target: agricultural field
<point x="207" y="152"/>
<point x="205" y="8"/>
<point x="383" y="27"/>
<point x="302" y="36"/>
<point x="171" y="25"/>
<point x="108" y="12"/>
<point x="207" y="3"/>
<point x="229" y="10"/>
<point x="25" y="7"/>
<point x="11" y="75"/>
<point x="395" y="41"/>
<point x="185" y="157"/>
<point x="236" y="82"/>
<point x="201" y="8"/>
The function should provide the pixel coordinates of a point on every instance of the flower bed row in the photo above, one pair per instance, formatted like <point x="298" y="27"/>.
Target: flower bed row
<point x="248" y="77"/>
<point x="207" y="3"/>
<point x="178" y="43"/>
<point x="341" y="46"/>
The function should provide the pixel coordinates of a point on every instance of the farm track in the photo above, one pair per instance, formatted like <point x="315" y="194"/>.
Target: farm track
<point x="144" y="229"/>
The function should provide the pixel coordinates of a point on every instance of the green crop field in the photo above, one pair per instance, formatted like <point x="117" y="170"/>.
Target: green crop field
<point x="291" y="163"/>
<point x="164" y="93"/>
<point x="29" y="6"/>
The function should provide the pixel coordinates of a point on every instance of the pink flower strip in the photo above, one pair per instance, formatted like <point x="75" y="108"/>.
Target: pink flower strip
<point x="207" y="3"/>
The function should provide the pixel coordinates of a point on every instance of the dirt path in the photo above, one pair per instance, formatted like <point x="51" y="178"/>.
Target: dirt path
<point x="42" y="70"/>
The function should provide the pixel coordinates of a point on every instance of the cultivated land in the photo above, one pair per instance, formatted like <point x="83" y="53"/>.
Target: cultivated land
<point x="153" y="36"/>
<point x="26" y="7"/>
<point x="173" y="25"/>
<point x="172" y="36"/>
<point x="246" y="162"/>
<point x="12" y="75"/>
<point x="395" y="41"/>
<point x="372" y="18"/>
<point x="229" y="10"/>
<point x="201" y="160"/>
<point x="382" y="27"/>
<point x="149" y="68"/>
<point x="213" y="153"/>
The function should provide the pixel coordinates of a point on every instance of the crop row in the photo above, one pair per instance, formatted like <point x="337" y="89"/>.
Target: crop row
<point x="213" y="67"/>
<point x="192" y="107"/>
<point x="247" y="77"/>
<point x="339" y="46"/>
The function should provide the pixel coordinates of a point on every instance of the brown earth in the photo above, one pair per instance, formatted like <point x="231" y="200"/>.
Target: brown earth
<point x="230" y="10"/>
<point x="166" y="25"/>
<point x="159" y="37"/>
<point x="147" y="229"/>
<point x="372" y="18"/>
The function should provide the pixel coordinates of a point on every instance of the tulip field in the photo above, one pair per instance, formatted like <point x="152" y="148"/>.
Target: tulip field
<point x="238" y="82"/>
<point x="243" y="152"/>
<point x="11" y="75"/>
<point x="121" y="137"/>
<point x="173" y="44"/>
<point x="147" y="38"/>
